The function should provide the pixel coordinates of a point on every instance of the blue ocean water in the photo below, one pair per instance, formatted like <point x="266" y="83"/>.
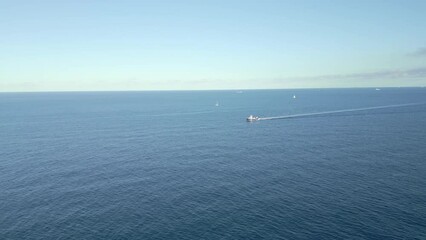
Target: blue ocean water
<point x="172" y="165"/>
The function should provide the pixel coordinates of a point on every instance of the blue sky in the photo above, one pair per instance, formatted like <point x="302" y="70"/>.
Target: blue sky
<point x="176" y="45"/>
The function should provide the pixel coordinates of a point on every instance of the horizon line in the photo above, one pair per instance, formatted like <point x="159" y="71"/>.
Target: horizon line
<point x="195" y="90"/>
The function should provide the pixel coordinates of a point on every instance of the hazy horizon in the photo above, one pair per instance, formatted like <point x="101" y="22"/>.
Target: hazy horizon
<point x="239" y="90"/>
<point x="50" y="46"/>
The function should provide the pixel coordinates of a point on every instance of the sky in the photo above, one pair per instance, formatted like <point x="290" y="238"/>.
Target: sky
<point x="89" y="45"/>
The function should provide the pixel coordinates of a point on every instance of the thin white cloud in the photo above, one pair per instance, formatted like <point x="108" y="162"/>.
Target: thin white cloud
<point x="421" y="52"/>
<point x="390" y="78"/>
<point x="409" y="73"/>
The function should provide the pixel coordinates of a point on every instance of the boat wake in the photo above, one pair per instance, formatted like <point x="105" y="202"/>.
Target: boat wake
<point x="338" y="111"/>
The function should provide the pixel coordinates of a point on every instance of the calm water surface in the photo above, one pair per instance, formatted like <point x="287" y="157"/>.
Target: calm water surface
<point x="172" y="165"/>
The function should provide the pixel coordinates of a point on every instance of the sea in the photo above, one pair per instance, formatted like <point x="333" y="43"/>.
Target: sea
<point x="187" y="165"/>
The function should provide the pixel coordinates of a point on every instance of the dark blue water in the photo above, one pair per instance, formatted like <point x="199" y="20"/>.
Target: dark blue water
<point x="171" y="165"/>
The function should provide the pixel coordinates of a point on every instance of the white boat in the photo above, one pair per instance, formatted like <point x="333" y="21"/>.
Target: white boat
<point x="252" y="118"/>
<point x="294" y="96"/>
<point x="217" y="104"/>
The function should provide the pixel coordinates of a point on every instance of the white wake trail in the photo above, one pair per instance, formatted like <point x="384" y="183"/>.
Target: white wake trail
<point x="339" y="111"/>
